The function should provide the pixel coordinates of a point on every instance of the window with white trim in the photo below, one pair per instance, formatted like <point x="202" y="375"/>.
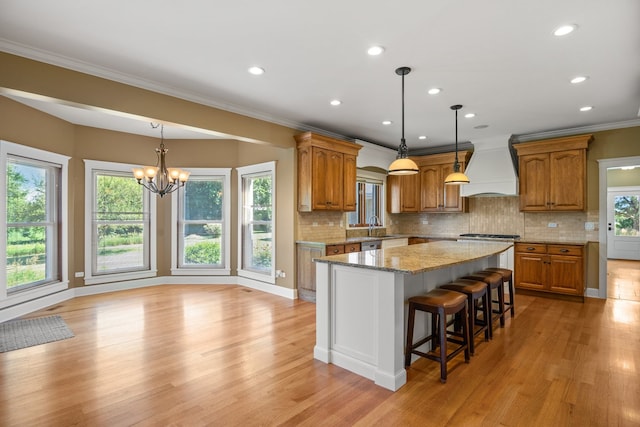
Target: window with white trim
<point x="369" y="200"/>
<point x="256" y="234"/>
<point x="200" y="226"/>
<point x="33" y="194"/>
<point x="119" y="224"/>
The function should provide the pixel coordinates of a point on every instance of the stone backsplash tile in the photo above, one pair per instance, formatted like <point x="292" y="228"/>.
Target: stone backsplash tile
<point x="491" y="215"/>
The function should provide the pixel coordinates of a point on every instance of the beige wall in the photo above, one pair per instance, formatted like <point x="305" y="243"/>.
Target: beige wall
<point x="250" y="141"/>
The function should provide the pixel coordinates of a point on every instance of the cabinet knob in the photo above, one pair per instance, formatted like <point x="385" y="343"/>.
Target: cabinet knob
<point x="531" y="249"/>
<point x="335" y="251"/>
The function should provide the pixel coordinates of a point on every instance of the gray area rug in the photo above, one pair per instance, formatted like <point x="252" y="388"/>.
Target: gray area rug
<point x="17" y="334"/>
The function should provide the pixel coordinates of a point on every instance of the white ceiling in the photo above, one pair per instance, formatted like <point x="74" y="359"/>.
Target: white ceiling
<point x="496" y="57"/>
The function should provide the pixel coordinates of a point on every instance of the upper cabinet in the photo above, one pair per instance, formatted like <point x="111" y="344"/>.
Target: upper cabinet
<point x="326" y="173"/>
<point x="425" y="191"/>
<point x="553" y="174"/>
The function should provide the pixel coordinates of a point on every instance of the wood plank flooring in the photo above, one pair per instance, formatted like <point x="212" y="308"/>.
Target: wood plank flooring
<point x="226" y="356"/>
<point x="623" y="279"/>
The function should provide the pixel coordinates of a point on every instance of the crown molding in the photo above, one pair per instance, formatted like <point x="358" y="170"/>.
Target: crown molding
<point x="574" y="131"/>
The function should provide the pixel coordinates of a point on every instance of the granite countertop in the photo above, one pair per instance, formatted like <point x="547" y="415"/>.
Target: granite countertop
<point x="347" y="240"/>
<point x="553" y="242"/>
<point x="415" y="259"/>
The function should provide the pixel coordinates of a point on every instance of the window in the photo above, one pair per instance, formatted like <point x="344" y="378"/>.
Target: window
<point x="201" y="213"/>
<point x="119" y="224"/>
<point x="34" y="197"/>
<point x="627" y="215"/>
<point x="257" y="225"/>
<point x="369" y="201"/>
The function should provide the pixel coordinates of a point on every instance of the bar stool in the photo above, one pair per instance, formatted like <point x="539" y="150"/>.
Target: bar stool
<point x="493" y="281"/>
<point x="440" y="303"/>
<point x="477" y="293"/>
<point x="507" y="277"/>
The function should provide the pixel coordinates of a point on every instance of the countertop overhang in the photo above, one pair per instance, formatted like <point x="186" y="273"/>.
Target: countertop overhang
<point x="416" y="259"/>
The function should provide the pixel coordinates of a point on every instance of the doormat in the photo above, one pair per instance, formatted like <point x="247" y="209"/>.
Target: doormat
<point x="17" y="334"/>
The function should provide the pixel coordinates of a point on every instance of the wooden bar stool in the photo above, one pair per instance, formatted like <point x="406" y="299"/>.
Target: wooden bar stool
<point x="494" y="281"/>
<point x="440" y="303"/>
<point x="507" y="277"/>
<point x="478" y="300"/>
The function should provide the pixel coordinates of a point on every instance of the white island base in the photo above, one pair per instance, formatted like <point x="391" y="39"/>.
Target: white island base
<point x="361" y="309"/>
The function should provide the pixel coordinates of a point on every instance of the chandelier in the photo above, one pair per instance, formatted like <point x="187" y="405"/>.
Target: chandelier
<point x="159" y="179"/>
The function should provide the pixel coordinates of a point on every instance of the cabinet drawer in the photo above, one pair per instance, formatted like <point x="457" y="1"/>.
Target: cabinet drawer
<point x="531" y="248"/>
<point x="564" y="250"/>
<point x="335" y="249"/>
<point x="353" y="247"/>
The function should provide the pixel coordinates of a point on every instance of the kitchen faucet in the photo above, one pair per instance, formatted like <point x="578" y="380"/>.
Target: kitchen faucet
<point x="373" y="221"/>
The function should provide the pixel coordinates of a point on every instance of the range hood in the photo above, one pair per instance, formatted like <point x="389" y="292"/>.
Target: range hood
<point x="491" y="170"/>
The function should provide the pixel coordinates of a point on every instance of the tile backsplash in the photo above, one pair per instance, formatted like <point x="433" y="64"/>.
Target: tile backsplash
<point x="494" y="215"/>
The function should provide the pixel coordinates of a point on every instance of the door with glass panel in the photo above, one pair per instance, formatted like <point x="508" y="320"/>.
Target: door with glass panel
<point x="623" y="223"/>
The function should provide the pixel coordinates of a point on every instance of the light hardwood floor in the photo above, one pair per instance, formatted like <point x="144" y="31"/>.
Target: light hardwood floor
<point x="227" y="355"/>
<point x="623" y="279"/>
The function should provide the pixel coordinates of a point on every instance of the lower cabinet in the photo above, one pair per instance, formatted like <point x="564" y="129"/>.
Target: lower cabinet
<point x="554" y="268"/>
<point x="306" y="268"/>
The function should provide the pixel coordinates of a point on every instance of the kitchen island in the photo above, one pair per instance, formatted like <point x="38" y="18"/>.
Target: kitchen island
<point x="361" y="299"/>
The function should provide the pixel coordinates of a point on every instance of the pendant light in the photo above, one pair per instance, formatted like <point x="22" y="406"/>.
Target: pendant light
<point x="456" y="177"/>
<point x="403" y="165"/>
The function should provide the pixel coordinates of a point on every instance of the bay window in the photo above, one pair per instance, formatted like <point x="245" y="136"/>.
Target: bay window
<point x="256" y="235"/>
<point x="200" y="226"/>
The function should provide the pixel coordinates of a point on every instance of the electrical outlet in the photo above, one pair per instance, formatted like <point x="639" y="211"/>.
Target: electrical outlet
<point x="330" y="223"/>
<point x="589" y="226"/>
<point x="552" y="225"/>
<point x="280" y="273"/>
<point x="79" y="274"/>
<point x="315" y="224"/>
<point x="425" y="222"/>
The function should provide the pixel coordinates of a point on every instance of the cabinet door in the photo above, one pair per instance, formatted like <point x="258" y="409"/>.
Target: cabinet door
<point x="410" y="192"/>
<point x="567" y="180"/>
<point x="451" y="200"/>
<point x="566" y="275"/>
<point x="530" y="271"/>
<point x="393" y="194"/>
<point x="327" y="179"/>
<point x="349" y="187"/>
<point x="534" y="182"/>
<point x="306" y="271"/>
<point x="430" y="183"/>
<point x="305" y="171"/>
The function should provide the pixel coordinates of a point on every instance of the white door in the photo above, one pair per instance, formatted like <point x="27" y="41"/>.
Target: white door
<point x="623" y="223"/>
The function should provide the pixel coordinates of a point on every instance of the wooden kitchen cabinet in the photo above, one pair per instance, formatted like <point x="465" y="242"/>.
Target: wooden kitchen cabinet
<point x="326" y="173"/>
<point x="554" y="268"/>
<point x="306" y="268"/>
<point x="425" y="191"/>
<point x="553" y="174"/>
<point x="403" y="193"/>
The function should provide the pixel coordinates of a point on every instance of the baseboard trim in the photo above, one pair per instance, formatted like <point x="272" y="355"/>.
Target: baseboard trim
<point x="43" y="302"/>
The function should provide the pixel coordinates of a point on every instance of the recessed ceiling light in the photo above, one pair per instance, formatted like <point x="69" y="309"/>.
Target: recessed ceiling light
<point x="586" y="108"/>
<point x="256" y="71"/>
<point x="335" y="102"/>
<point x="387" y="122"/>
<point x="579" y="79"/>
<point x="470" y="115"/>
<point x="434" y="91"/>
<point x="375" y="50"/>
<point x="422" y="137"/>
<point x="564" y="30"/>
<point x="481" y="127"/>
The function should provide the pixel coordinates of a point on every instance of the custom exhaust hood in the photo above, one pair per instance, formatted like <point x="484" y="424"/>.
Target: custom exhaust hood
<point x="491" y="170"/>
